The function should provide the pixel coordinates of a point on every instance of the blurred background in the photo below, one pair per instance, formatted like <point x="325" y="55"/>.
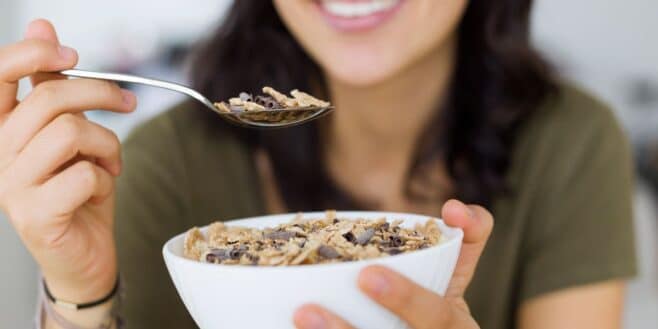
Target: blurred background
<point x="606" y="46"/>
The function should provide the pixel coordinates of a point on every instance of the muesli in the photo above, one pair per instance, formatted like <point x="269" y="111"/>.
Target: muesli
<point x="303" y="241"/>
<point x="270" y="100"/>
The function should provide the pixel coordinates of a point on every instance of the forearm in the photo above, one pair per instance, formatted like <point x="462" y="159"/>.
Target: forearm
<point x="597" y="305"/>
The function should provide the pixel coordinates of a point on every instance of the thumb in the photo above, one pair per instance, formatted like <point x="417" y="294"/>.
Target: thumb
<point x="477" y="223"/>
<point x="43" y="30"/>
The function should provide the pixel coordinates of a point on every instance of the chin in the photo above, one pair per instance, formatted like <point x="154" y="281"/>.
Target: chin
<point x="360" y="70"/>
<point x="358" y="76"/>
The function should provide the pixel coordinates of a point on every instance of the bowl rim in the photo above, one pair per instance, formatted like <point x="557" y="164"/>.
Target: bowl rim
<point x="456" y="239"/>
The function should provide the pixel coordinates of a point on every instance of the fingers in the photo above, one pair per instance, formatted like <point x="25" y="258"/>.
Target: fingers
<point x="419" y="307"/>
<point x="39" y="52"/>
<point x="34" y="55"/>
<point x="477" y="223"/>
<point x="53" y="98"/>
<point x="26" y="58"/>
<point x="42" y="29"/>
<point x="63" y="140"/>
<point x="84" y="182"/>
<point x="315" y="317"/>
<point x="7" y="99"/>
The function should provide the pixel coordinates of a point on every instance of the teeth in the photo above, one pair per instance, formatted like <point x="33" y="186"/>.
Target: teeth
<point x="356" y="9"/>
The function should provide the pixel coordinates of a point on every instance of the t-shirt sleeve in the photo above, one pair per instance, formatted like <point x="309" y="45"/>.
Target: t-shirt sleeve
<point x="151" y="207"/>
<point x="582" y="230"/>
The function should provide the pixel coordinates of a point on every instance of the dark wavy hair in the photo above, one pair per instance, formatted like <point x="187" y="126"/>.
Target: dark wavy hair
<point x="498" y="82"/>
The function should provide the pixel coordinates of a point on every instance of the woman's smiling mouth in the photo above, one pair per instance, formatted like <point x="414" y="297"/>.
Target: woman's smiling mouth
<point x="357" y="15"/>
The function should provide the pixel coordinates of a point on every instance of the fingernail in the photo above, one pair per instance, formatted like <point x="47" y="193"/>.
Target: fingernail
<point x="67" y="53"/>
<point x="376" y="284"/>
<point x="469" y="212"/>
<point x="312" y="320"/>
<point x="128" y="97"/>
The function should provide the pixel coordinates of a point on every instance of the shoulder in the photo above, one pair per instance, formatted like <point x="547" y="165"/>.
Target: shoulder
<point x="570" y="124"/>
<point x="573" y="113"/>
<point x="572" y="116"/>
<point x="571" y="134"/>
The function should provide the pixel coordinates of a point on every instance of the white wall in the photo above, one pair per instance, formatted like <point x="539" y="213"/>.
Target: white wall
<point x="108" y="31"/>
<point x="7" y="21"/>
<point x="607" y="46"/>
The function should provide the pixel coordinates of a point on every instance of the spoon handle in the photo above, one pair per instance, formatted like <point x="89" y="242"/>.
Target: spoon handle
<point x="141" y="80"/>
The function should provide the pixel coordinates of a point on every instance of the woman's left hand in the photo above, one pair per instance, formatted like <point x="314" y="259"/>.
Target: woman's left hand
<point x="417" y="306"/>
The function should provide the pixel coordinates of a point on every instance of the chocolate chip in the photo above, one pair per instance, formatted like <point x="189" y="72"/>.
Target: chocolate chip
<point x="217" y="255"/>
<point x="259" y="100"/>
<point x="210" y="258"/>
<point x="393" y="251"/>
<point x="278" y="244"/>
<point x="349" y="236"/>
<point x="236" y="253"/>
<point x="335" y="221"/>
<point x="396" y="241"/>
<point x="252" y="258"/>
<point x="267" y="101"/>
<point x="280" y="235"/>
<point x="364" y="237"/>
<point x="328" y="252"/>
<point x="384" y="226"/>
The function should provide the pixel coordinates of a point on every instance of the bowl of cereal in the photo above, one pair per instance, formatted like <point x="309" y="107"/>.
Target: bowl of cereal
<point x="255" y="272"/>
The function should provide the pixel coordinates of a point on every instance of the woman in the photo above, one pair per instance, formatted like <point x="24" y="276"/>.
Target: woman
<point x="435" y="100"/>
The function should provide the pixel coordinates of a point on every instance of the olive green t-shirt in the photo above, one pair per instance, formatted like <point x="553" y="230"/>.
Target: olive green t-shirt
<point x="567" y="220"/>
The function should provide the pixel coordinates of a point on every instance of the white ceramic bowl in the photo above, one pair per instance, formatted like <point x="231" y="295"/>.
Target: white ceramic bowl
<point x="230" y="296"/>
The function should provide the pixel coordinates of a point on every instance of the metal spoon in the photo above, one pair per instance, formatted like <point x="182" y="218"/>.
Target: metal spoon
<point x="274" y="118"/>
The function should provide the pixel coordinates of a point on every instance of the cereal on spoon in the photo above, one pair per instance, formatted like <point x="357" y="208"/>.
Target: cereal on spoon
<point x="271" y="100"/>
<point x="302" y="241"/>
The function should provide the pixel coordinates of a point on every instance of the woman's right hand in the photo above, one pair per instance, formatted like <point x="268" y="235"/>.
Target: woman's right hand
<point x="57" y="169"/>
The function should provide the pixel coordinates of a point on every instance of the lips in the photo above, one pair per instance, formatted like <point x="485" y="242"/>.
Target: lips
<point x="358" y="15"/>
<point x="351" y="9"/>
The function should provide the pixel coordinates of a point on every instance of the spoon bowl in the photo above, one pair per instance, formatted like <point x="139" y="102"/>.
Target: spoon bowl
<point x="276" y="118"/>
<point x="263" y="119"/>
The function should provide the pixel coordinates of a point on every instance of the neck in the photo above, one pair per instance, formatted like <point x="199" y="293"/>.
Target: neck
<point x="380" y="124"/>
<point x="393" y="112"/>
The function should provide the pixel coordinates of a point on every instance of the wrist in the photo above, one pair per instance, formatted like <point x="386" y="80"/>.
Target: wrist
<point x="101" y="313"/>
<point x="81" y="291"/>
<point x="100" y="316"/>
<point x="89" y="281"/>
<point x="81" y="306"/>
